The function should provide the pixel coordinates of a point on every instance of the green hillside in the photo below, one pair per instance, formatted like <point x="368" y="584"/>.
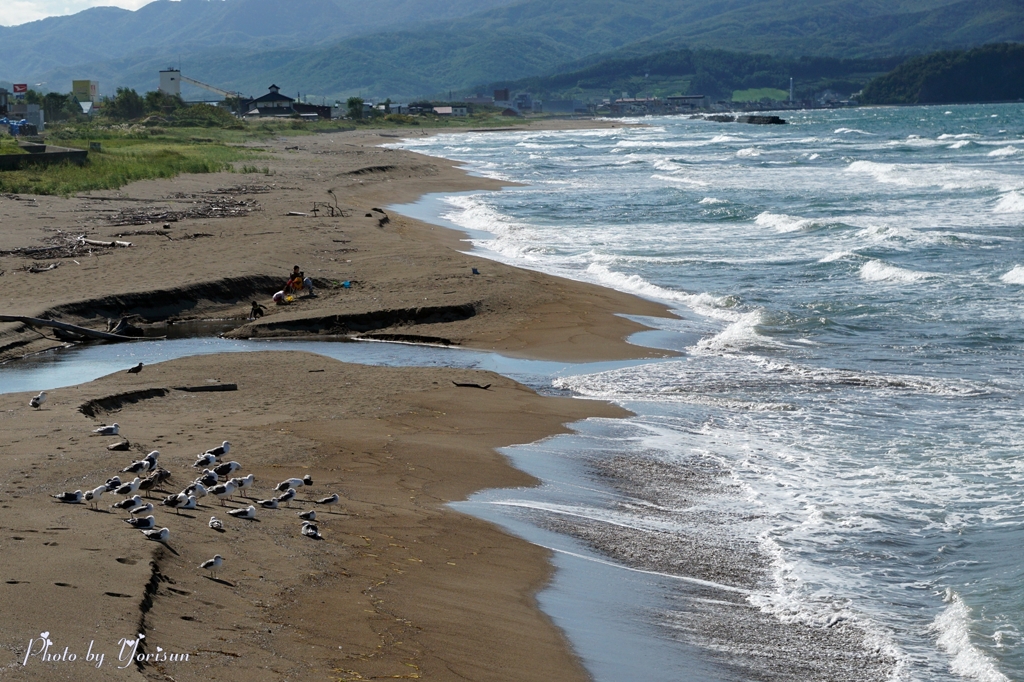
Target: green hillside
<point x="991" y="73"/>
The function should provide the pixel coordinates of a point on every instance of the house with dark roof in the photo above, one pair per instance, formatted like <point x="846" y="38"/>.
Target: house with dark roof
<point x="271" y="104"/>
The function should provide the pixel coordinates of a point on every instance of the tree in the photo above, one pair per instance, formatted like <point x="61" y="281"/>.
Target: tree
<point x="355" y="107"/>
<point x="126" y="105"/>
<point x="162" y="103"/>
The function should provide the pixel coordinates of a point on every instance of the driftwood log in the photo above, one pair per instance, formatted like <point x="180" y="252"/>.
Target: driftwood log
<point x="83" y="331"/>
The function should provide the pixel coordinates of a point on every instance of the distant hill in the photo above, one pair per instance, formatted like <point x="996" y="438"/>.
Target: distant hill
<point x="716" y="73"/>
<point x="169" y="29"/>
<point x="991" y="73"/>
<point x="240" y="44"/>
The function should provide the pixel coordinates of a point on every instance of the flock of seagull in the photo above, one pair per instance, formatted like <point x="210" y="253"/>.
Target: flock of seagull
<point x="216" y="480"/>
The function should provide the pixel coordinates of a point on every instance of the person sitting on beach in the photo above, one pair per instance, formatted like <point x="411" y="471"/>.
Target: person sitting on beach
<point x="257" y="311"/>
<point x="298" y="281"/>
<point x="281" y="297"/>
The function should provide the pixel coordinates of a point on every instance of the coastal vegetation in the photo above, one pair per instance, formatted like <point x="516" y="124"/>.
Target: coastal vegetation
<point x="991" y="73"/>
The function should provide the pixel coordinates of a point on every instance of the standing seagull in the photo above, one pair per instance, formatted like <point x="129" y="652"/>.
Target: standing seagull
<point x="93" y="496"/>
<point x="136" y="369"/>
<point x="220" y="450"/>
<point x="329" y="501"/>
<point x="107" y="430"/>
<point x="295" y="483"/>
<point x="213" y="564"/>
<point x="129" y="488"/>
<point x="38" y="400"/>
<point x="227" y="468"/>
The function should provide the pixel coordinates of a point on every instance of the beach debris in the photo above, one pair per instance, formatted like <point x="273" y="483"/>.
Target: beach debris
<point x="105" y="430"/>
<point x="208" y="207"/>
<point x="294" y="483"/>
<point x="216" y="524"/>
<point x="69" y="498"/>
<point x="296" y="213"/>
<point x="247" y="513"/>
<point x="36" y="268"/>
<point x="471" y="385"/>
<point x="213" y="564"/>
<point x="38" y="400"/>
<point x="124" y="445"/>
<point x="157" y="535"/>
<point x="136" y="369"/>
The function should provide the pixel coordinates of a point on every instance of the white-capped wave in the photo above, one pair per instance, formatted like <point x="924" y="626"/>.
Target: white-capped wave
<point x="877" y="271"/>
<point x="960" y="136"/>
<point x="704" y="303"/>
<point x="960" y="144"/>
<point x="1011" y="202"/>
<point x="748" y="152"/>
<point x="780" y="222"/>
<point x="953" y="627"/>
<point x="836" y="255"/>
<point x="727" y="138"/>
<point x="712" y="201"/>
<point x="1004" y="151"/>
<point x="742" y="334"/>
<point x="680" y="180"/>
<point x="843" y="131"/>
<point x="1014" y="276"/>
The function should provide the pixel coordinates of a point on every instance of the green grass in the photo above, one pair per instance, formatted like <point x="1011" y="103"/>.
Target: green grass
<point x="125" y="159"/>
<point x="758" y="94"/>
<point x="8" y="145"/>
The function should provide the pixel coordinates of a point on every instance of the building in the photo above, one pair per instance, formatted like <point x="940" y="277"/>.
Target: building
<point x="636" y="106"/>
<point x="170" y="82"/>
<point x="502" y="95"/>
<point x="482" y="100"/>
<point x="455" y="110"/>
<point x="32" y="113"/>
<point x="310" y="110"/>
<point x="4" y="99"/>
<point x="678" y="103"/>
<point x="271" y="104"/>
<point x="565" y="106"/>
<point x="86" y="91"/>
<point x="523" y="102"/>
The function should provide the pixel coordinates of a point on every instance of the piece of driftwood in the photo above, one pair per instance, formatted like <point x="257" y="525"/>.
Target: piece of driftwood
<point x="209" y="388"/>
<point x="468" y="385"/>
<point x="87" y="333"/>
<point x="97" y="242"/>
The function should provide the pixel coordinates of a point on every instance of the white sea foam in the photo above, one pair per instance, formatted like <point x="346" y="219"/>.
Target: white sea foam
<point x="953" y="627"/>
<point x="781" y="222"/>
<point x="1004" y="151"/>
<point x="843" y="131"/>
<point x="704" y="303"/>
<point x="680" y="180"/>
<point x="1014" y="276"/>
<point x="717" y="139"/>
<point x="960" y="144"/>
<point x="877" y="271"/>
<point x="711" y="201"/>
<point x="748" y="152"/>
<point x="1011" y="202"/>
<point x="836" y="255"/>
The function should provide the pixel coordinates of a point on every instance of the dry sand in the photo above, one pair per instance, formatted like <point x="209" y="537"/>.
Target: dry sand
<point x="401" y="586"/>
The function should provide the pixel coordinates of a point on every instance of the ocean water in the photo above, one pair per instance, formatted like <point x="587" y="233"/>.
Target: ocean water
<point x="827" y="482"/>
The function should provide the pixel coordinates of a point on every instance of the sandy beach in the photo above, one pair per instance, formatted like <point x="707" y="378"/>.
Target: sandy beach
<point x="400" y="586"/>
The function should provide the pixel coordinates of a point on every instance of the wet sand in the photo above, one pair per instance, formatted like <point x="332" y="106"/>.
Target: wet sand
<point x="401" y="586"/>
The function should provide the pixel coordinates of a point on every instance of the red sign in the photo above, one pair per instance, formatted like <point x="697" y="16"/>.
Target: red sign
<point x="20" y="87"/>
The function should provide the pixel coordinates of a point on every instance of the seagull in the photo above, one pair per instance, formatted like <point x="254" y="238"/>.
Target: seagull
<point x="93" y="496"/>
<point x="308" y="515"/>
<point x="70" y="498"/>
<point x="152" y="457"/>
<point x="227" y="468"/>
<point x="141" y="508"/>
<point x="294" y="483"/>
<point x="223" y="491"/>
<point x="220" y="450"/>
<point x="205" y="460"/>
<point x="245" y="482"/>
<point x="208" y="478"/>
<point x="310" y="530"/>
<point x="129" y="488"/>
<point x="113" y="484"/>
<point x="158" y="535"/>
<point x="268" y="504"/>
<point x="333" y="499"/>
<point x="175" y="501"/>
<point x="136" y="369"/>
<point x="160" y="475"/>
<point x="287" y="496"/>
<point x="127" y="503"/>
<point x="142" y="524"/>
<point x="141" y="466"/>
<point x="107" y="430"/>
<point x="198" y="489"/>
<point x="213" y="564"/>
<point x="216" y="523"/>
<point x="38" y="400"/>
<point x="249" y="513"/>
<point x="190" y="503"/>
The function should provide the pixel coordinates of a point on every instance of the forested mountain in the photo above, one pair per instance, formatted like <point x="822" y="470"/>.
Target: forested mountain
<point x="256" y="42"/>
<point x="992" y="73"/>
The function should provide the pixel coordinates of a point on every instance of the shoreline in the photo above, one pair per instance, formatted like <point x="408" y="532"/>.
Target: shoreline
<point x="513" y="311"/>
